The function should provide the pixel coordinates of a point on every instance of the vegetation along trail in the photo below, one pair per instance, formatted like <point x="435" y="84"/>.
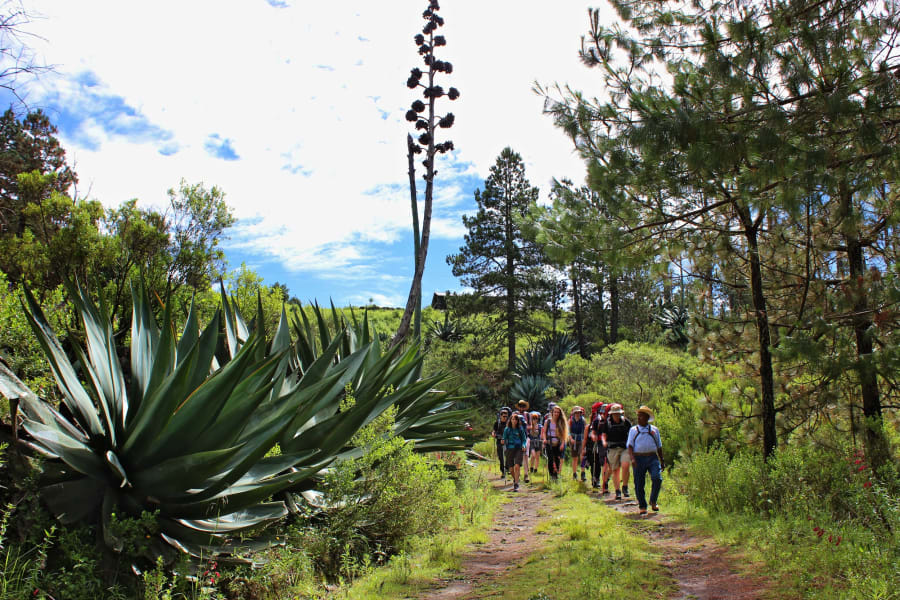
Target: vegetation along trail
<point x="541" y="547"/>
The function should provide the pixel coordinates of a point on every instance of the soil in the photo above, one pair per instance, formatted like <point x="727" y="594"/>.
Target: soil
<point x="511" y="540"/>
<point x="702" y="569"/>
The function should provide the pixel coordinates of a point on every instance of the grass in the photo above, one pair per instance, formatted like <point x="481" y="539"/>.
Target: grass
<point x="799" y="562"/>
<point x="583" y="543"/>
<point x="414" y="572"/>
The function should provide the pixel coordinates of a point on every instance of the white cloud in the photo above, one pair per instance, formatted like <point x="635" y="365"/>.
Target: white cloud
<point x="312" y="101"/>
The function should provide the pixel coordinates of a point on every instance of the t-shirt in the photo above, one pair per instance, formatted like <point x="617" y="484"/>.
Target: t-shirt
<point x="499" y="426"/>
<point x="617" y="433"/>
<point x="644" y="439"/>
<point x="576" y="428"/>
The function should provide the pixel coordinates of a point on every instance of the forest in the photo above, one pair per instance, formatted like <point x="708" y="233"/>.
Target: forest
<point x="174" y="426"/>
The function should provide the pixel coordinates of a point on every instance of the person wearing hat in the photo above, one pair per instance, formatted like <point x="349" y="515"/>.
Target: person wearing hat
<point x="615" y="436"/>
<point x="645" y="449"/>
<point x="497" y="434"/>
<point x="577" y="426"/>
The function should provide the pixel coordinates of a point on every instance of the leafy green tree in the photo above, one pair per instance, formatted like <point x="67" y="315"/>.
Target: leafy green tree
<point x="717" y="155"/>
<point x="497" y="260"/>
<point x="28" y="145"/>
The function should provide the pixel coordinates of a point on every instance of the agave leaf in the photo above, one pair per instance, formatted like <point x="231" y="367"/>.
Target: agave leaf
<point x="171" y="476"/>
<point x="73" y="501"/>
<point x="105" y="370"/>
<point x="190" y="335"/>
<point x="77" y="454"/>
<point x="75" y="397"/>
<point x="144" y="340"/>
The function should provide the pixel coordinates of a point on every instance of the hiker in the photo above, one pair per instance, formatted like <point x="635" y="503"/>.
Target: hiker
<point x="544" y="420"/>
<point x="514" y="438"/>
<point x="497" y="434"/>
<point x="645" y="450"/>
<point x="598" y="451"/>
<point x="577" y="428"/>
<point x="614" y="437"/>
<point x="534" y="441"/>
<point x="522" y="411"/>
<point x="554" y="438"/>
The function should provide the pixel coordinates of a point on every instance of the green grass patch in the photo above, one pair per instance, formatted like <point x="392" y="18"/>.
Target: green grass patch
<point x="583" y="543"/>
<point x="844" y="563"/>
<point x="414" y="572"/>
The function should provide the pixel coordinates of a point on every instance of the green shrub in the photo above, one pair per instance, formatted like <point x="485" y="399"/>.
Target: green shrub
<point x="378" y="501"/>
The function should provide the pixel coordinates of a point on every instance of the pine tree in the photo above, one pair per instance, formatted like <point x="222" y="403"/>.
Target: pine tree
<point x="497" y="261"/>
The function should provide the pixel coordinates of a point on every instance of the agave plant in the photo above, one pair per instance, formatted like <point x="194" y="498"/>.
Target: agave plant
<point x="449" y="331"/>
<point x="531" y="389"/>
<point x="186" y="434"/>
<point x="539" y="359"/>
<point x="674" y="320"/>
<point x="423" y="413"/>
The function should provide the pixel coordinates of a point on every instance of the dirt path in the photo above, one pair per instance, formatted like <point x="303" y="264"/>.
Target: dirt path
<point x="511" y="540"/>
<point x="702" y="569"/>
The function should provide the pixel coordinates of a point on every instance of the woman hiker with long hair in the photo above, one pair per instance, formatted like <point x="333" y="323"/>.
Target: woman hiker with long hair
<point x="534" y="441"/>
<point x="555" y="437"/>
<point x="514" y="438"/>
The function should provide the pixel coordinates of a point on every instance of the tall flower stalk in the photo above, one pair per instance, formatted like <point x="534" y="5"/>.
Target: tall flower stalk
<point x="422" y="114"/>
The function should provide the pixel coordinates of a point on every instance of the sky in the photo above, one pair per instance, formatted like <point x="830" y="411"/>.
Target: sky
<point x="296" y="111"/>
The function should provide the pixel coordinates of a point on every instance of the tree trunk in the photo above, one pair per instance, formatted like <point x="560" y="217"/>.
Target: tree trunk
<point x="576" y="305"/>
<point x="766" y="377"/>
<point x="613" y="308"/>
<point x="876" y="448"/>
<point x="510" y="284"/>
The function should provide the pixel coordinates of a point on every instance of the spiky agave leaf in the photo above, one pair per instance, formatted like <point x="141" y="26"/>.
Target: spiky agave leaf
<point x="188" y="436"/>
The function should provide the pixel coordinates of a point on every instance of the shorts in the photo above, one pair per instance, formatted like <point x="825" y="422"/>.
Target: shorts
<point x="536" y="445"/>
<point x="515" y="456"/>
<point x="617" y="456"/>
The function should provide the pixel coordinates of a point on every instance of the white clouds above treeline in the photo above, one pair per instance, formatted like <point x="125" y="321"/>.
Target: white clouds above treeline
<point x="295" y="110"/>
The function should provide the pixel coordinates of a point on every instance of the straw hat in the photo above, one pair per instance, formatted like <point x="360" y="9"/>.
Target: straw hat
<point x="523" y="404"/>
<point x="617" y="410"/>
<point x="646" y="410"/>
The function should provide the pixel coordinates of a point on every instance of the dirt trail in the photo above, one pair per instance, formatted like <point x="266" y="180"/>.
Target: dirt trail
<point x="702" y="569"/>
<point x="511" y="539"/>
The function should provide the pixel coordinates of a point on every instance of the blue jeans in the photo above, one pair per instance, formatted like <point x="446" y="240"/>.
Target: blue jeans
<point x="643" y="464"/>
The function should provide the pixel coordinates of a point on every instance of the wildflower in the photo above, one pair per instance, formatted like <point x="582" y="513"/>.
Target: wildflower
<point x="867" y="484"/>
<point x="861" y="468"/>
<point x="829" y="538"/>
<point x="816" y="528"/>
<point x="838" y="542"/>
<point x="857" y="461"/>
<point x="821" y="532"/>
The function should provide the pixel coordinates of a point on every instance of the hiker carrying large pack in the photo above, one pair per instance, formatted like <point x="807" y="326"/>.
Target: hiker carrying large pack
<point x="497" y="434"/>
<point x="554" y="437"/>
<point x="615" y="437"/>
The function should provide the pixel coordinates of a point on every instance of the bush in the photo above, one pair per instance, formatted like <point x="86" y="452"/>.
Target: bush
<point x="379" y="501"/>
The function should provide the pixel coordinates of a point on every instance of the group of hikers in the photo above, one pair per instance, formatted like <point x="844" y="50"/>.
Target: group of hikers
<point x="607" y="444"/>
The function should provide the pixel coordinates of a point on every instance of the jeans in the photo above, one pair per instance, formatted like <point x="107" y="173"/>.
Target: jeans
<point x="500" y="455"/>
<point x="643" y="464"/>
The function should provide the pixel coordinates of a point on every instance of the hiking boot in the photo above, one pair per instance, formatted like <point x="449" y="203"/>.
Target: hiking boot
<point x="655" y="507"/>
<point x="583" y="477"/>
<point x="618" y="494"/>
<point x="526" y="479"/>
<point x="575" y="476"/>
<point x="595" y="485"/>
<point x="515" y="487"/>
<point x="605" y="490"/>
<point x="625" y="491"/>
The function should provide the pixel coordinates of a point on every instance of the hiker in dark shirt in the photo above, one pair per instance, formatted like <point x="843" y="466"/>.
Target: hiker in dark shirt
<point x="497" y="434"/>
<point x="614" y="437"/>
<point x="577" y="427"/>
<point x="598" y="456"/>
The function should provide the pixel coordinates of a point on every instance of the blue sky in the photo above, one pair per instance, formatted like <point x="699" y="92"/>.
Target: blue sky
<point x="297" y="114"/>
